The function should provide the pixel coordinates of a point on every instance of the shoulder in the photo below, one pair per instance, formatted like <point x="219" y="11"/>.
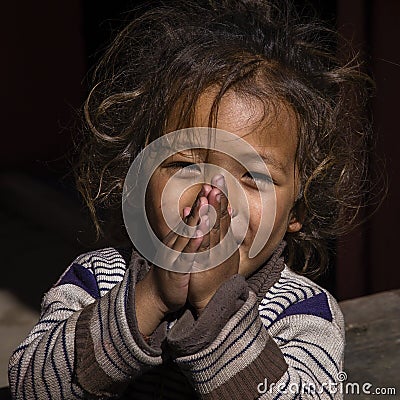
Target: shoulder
<point x="109" y="257"/>
<point x="296" y="295"/>
<point x="97" y="271"/>
<point x="305" y="321"/>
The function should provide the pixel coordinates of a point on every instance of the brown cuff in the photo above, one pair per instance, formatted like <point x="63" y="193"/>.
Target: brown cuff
<point x="267" y="368"/>
<point x="189" y="336"/>
<point x="88" y="373"/>
<point x="107" y="357"/>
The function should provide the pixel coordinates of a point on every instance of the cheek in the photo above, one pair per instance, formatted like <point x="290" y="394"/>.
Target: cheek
<point x="255" y="218"/>
<point x="279" y="223"/>
<point x="261" y="210"/>
<point x="153" y="205"/>
<point x="283" y="208"/>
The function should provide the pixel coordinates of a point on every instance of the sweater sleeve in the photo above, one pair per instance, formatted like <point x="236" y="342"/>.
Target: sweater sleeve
<point x="307" y="324"/>
<point x="228" y="362"/>
<point x="84" y="345"/>
<point x="313" y="349"/>
<point x="300" y="352"/>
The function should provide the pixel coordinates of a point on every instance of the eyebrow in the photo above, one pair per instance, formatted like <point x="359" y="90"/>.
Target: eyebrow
<point x="269" y="160"/>
<point x="188" y="153"/>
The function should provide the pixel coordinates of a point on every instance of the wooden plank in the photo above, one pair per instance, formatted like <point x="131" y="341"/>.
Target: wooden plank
<point x="372" y="352"/>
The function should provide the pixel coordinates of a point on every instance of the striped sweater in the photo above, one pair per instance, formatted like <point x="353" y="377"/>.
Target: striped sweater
<point x="274" y="335"/>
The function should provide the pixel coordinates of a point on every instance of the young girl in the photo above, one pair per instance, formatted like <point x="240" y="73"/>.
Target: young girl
<point x="127" y="323"/>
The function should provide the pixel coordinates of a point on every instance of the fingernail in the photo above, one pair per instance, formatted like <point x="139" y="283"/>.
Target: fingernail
<point x="206" y="189"/>
<point x="218" y="198"/>
<point x="206" y="220"/>
<point x="218" y="180"/>
<point x="204" y="209"/>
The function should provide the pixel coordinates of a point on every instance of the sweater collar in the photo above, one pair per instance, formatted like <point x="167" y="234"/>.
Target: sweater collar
<point x="269" y="273"/>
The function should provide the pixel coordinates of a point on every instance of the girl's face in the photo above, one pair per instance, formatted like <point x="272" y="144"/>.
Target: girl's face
<point x="275" y="140"/>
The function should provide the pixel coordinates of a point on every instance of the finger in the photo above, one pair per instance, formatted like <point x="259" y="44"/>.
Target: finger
<point x="174" y="260"/>
<point x="172" y="235"/>
<point x="218" y="181"/>
<point x="170" y="239"/>
<point x="185" y="260"/>
<point x="204" y="228"/>
<point x="225" y="217"/>
<point x="205" y="190"/>
<point x="186" y="212"/>
<point x="204" y="224"/>
<point x="194" y="243"/>
<point x="192" y="220"/>
<point x="214" y="198"/>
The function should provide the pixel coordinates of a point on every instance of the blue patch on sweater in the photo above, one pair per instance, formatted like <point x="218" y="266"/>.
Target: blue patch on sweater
<point x="316" y="305"/>
<point x="80" y="276"/>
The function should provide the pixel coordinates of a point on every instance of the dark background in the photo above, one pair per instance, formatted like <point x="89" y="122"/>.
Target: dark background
<point x="47" y="49"/>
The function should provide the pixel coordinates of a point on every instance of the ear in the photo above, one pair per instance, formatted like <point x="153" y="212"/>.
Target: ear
<point x="295" y="218"/>
<point x="294" y="225"/>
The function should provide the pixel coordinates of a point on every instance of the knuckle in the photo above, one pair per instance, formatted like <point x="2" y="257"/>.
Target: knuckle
<point x="187" y="231"/>
<point x="224" y="213"/>
<point x="203" y="247"/>
<point x="216" y="226"/>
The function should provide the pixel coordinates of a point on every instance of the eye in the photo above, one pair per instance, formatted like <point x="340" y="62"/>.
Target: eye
<point x="184" y="168"/>
<point x="258" y="179"/>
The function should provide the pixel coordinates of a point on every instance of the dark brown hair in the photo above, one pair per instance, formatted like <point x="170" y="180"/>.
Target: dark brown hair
<point x="173" y="53"/>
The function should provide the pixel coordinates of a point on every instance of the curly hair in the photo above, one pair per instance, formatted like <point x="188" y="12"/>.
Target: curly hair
<point x="171" y="54"/>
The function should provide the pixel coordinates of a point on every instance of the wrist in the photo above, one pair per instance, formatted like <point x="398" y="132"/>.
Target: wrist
<point x="158" y="305"/>
<point x="148" y="307"/>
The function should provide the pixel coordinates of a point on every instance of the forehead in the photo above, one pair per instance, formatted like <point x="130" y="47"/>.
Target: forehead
<point x="269" y="127"/>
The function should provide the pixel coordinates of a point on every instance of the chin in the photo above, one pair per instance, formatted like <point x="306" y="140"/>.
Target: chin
<point x="246" y="267"/>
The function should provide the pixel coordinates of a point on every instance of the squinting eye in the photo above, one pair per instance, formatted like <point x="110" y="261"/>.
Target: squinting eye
<point x="184" y="168"/>
<point x="259" y="178"/>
